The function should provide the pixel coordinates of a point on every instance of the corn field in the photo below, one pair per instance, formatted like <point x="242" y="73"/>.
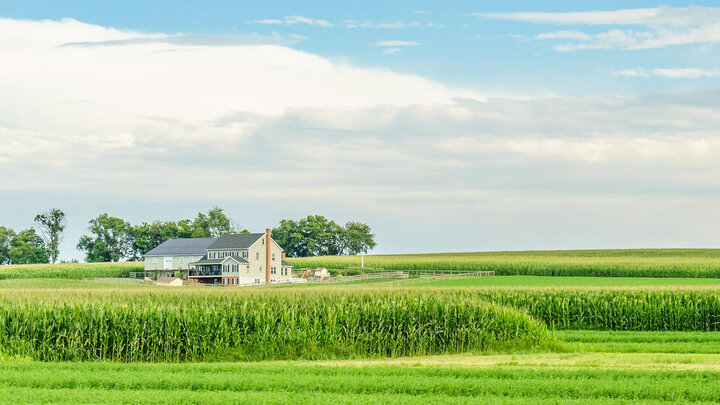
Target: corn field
<point x="169" y="327"/>
<point x="615" y="309"/>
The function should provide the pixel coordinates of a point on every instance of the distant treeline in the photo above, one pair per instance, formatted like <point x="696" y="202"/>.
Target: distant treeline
<point x="111" y="239"/>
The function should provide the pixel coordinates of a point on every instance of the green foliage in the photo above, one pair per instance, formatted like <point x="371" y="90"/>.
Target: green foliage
<point x="6" y="237"/>
<point x="188" y="327"/>
<point x="51" y="224"/>
<point x="593" y="263"/>
<point x="28" y="247"/>
<point x="109" y="241"/>
<point x="147" y="236"/>
<point x="211" y="225"/>
<point x="316" y="235"/>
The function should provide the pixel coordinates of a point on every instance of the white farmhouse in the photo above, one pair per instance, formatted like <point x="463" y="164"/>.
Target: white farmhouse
<point x="233" y="259"/>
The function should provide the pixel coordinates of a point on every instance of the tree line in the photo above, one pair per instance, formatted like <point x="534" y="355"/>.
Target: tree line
<point x="40" y="244"/>
<point x="112" y="239"/>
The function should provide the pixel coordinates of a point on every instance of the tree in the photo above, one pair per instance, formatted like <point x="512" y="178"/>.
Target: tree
<point x="6" y="237"/>
<point x="288" y="236"/>
<point x="211" y="225"/>
<point x="28" y="247"/>
<point x="147" y="236"/>
<point x="358" y="238"/>
<point x="51" y="224"/>
<point x="315" y="235"/>
<point x="109" y="240"/>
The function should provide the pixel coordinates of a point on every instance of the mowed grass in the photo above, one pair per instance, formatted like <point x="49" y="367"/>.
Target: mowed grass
<point x="551" y="378"/>
<point x="611" y="263"/>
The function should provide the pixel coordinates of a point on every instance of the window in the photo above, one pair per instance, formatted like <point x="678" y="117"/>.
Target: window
<point x="247" y="269"/>
<point x="226" y="280"/>
<point x="273" y="256"/>
<point x="257" y="255"/>
<point x="181" y="260"/>
<point x="244" y="254"/>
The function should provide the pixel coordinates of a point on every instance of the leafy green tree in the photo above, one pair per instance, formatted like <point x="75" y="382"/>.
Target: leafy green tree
<point x="289" y="236"/>
<point x="28" y="247"/>
<point x="211" y="225"/>
<point x="315" y="235"/>
<point x="358" y="238"/>
<point x="109" y="239"/>
<point x="51" y="225"/>
<point x="6" y="237"/>
<point x="146" y="236"/>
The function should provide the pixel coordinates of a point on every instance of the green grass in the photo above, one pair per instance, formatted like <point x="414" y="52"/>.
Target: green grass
<point x="77" y="271"/>
<point x="611" y="263"/>
<point x="640" y="342"/>
<point x="505" y="379"/>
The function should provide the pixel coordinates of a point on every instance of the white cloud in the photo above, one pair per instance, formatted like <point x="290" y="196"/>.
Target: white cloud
<point x="293" y="19"/>
<point x="396" y="43"/>
<point x="670" y="73"/>
<point x="391" y="51"/>
<point x="384" y="25"/>
<point x="123" y="114"/>
<point x="665" y="26"/>
<point x="674" y="16"/>
<point x="563" y="35"/>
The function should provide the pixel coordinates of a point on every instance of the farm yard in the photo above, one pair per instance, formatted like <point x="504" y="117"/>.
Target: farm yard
<point x="528" y="338"/>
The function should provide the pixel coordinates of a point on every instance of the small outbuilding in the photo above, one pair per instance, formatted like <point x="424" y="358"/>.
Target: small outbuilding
<point x="169" y="281"/>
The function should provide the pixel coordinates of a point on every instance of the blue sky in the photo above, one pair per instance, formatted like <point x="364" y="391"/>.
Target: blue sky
<point x="516" y="125"/>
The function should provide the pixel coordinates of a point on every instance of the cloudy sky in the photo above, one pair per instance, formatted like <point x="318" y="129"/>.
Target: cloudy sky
<point x="446" y="127"/>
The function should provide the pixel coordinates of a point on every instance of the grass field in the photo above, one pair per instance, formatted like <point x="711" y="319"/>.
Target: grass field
<point x="582" y="375"/>
<point x="612" y="263"/>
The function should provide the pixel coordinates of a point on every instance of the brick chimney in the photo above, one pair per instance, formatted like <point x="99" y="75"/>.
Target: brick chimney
<point x="267" y="255"/>
<point x="283" y="255"/>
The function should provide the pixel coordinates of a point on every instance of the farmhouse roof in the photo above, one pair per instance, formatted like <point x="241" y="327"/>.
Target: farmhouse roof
<point x="179" y="247"/>
<point x="205" y="260"/>
<point x="286" y="264"/>
<point x="166" y="279"/>
<point x="236" y="241"/>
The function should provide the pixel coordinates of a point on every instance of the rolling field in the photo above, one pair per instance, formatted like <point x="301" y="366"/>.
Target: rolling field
<point x="580" y="339"/>
<point x="611" y="263"/>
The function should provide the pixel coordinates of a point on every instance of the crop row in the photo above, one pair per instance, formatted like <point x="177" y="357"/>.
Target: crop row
<point x="283" y="383"/>
<point x="615" y="309"/>
<point x="264" y="326"/>
<point x="77" y="271"/>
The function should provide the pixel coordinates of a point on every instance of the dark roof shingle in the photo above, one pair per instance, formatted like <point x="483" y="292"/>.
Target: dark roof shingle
<point x="236" y="241"/>
<point x="179" y="247"/>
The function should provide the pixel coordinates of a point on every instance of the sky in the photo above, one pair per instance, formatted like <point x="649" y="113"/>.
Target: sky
<point x="453" y="126"/>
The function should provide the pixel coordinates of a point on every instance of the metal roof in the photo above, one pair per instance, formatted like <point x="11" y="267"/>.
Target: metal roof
<point x="286" y="264"/>
<point x="182" y="247"/>
<point x="236" y="241"/>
